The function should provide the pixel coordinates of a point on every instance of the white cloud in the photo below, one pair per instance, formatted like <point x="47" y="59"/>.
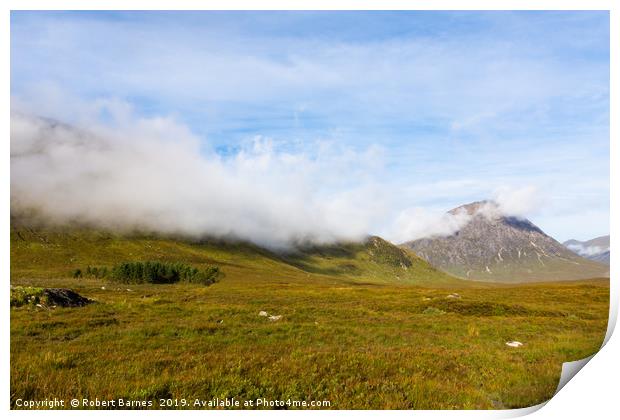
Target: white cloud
<point x="587" y="251"/>
<point x="150" y="173"/>
<point x="416" y="223"/>
<point x="519" y="202"/>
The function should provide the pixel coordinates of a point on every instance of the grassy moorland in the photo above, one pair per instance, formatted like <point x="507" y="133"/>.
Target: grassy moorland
<point x="363" y="326"/>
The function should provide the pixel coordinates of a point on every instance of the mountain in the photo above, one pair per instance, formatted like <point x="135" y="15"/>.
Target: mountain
<point x="44" y="252"/>
<point x="596" y="249"/>
<point x="490" y="246"/>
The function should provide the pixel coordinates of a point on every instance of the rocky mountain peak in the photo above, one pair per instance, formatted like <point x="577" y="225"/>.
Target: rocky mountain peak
<point x="475" y="207"/>
<point x="493" y="246"/>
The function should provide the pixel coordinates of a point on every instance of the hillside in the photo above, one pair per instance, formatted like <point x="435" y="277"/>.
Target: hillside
<point x="494" y="247"/>
<point x="44" y="252"/>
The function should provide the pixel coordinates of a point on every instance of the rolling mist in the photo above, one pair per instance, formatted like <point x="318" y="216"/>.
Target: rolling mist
<point x="155" y="175"/>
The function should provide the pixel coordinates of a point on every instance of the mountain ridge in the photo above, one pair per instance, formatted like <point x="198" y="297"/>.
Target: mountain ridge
<point x="492" y="246"/>
<point x="596" y="249"/>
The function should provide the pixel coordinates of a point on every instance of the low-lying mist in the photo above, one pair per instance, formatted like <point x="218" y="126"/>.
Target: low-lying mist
<point x="154" y="175"/>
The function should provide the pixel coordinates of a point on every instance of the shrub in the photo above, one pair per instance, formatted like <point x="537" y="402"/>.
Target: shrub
<point x="96" y="272"/>
<point x="21" y="295"/>
<point x="433" y="311"/>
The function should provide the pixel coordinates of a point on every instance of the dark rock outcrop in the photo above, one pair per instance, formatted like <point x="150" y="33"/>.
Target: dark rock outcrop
<point x="65" y="298"/>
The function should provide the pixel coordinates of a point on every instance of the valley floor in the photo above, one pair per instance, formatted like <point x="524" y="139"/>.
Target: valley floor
<point x="353" y="344"/>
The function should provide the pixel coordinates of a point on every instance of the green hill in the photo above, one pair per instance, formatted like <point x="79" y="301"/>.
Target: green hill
<point x="46" y="252"/>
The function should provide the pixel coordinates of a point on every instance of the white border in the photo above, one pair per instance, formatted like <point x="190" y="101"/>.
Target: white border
<point x="592" y="393"/>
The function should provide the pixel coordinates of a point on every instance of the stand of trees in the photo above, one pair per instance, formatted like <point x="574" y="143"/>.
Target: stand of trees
<point x="156" y="272"/>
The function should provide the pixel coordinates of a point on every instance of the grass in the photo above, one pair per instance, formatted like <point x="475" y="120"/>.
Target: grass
<point x="357" y="329"/>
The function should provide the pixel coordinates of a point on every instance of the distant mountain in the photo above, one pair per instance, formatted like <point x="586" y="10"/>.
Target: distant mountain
<point x="596" y="249"/>
<point x="490" y="246"/>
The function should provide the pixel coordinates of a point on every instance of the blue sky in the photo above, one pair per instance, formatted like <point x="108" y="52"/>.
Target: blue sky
<point x="444" y="108"/>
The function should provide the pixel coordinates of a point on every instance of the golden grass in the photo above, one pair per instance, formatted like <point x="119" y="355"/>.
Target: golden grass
<point x="358" y="344"/>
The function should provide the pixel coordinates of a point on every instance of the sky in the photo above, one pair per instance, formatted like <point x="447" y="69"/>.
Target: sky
<point x="374" y="122"/>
